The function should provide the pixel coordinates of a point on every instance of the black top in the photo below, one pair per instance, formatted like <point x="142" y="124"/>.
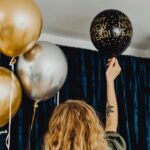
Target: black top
<point x="115" y="141"/>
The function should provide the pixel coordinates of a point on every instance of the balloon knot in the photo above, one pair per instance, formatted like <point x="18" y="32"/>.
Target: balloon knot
<point x="12" y="61"/>
<point x="35" y="105"/>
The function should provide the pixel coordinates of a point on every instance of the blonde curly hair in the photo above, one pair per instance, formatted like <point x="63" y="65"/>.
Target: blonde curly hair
<point x="74" y="125"/>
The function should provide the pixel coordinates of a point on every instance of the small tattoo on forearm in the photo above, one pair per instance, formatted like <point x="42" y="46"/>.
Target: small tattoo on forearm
<point x="109" y="109"/>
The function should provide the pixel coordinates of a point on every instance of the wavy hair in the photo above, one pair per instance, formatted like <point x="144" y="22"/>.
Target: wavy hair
<point x="74" y="125"/>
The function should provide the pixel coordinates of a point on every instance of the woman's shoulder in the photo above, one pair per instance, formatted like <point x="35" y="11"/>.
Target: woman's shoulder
<point x="115" y="141"/>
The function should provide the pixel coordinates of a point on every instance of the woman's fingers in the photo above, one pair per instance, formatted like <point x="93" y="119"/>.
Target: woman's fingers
<point x="110" y="58"/>
<point x="113" y="69"/>
<point x="111" y="62"/>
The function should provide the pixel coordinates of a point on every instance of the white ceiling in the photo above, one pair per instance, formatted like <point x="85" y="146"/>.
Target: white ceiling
<point x="71" y="19"/>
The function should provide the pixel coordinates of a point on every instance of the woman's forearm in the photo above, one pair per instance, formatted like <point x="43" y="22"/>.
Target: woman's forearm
<point x="111" y="108"/>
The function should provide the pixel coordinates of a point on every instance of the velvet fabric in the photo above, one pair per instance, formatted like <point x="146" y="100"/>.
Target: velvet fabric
<point x="86" y="81"/>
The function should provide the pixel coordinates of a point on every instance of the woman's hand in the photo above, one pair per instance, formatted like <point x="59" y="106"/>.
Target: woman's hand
<point x="113" y="69"/>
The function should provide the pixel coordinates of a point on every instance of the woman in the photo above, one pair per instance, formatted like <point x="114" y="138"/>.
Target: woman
<point x="74" y="124"/>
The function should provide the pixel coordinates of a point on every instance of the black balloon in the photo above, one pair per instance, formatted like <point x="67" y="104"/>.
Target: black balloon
<point x="111" y="32"/>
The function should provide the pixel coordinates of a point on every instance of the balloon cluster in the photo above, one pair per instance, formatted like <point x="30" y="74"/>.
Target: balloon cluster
<point x="41" y="67"/>
<point x="111" y="32"/>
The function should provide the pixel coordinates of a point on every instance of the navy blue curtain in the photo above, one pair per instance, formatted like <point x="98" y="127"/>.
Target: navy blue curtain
<point x="86" y="80"/>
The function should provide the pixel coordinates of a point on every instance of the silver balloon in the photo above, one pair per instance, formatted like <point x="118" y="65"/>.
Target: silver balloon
<point x="42" y="70"/>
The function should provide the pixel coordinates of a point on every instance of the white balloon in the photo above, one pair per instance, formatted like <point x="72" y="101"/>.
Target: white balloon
<point x="42" y="70"/>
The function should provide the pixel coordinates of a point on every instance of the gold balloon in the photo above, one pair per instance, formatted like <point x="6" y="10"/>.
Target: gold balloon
<point x="7" y="81"/>
<point x="20" y="26"/>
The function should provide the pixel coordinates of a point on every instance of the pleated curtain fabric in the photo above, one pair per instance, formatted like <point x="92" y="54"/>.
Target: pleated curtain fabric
<point x="86" y="81"/>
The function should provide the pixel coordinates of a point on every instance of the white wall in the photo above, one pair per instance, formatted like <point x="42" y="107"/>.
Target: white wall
<point x="65" y="41"/>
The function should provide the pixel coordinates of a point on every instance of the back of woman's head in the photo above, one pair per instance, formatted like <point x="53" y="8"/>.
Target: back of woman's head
<point x="74" y="125"/>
